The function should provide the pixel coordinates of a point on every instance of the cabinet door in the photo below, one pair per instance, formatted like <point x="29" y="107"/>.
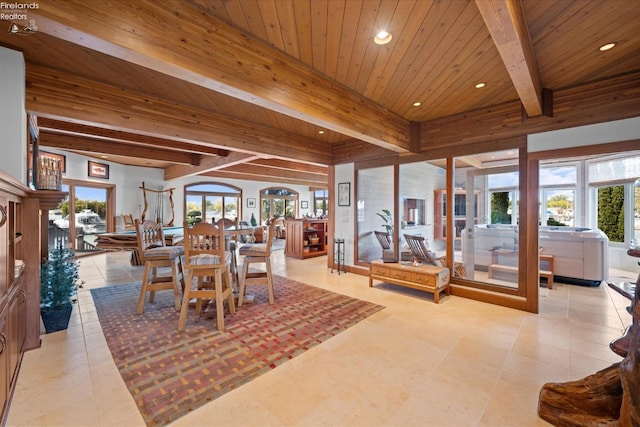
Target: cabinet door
<point x="4" y="247"/>
<point x="4" y="362"/>
<point x="17" y="327"/>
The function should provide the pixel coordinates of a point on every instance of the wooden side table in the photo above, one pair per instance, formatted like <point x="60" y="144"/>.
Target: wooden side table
<point x="496" y="266"/>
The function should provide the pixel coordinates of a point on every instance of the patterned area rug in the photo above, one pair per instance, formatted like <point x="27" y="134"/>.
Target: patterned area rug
<point x="171" y="373"/>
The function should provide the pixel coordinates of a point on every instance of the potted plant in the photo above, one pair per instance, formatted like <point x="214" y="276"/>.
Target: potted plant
<point x="58" y="276"/>
<point x="385" y="214"/>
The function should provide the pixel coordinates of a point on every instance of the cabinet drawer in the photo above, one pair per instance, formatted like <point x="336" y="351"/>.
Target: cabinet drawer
<point x="378" y="270"/>
<point x="390" y="273"/>
<point x="398" y="274"/>
<point x="425" y="279"/>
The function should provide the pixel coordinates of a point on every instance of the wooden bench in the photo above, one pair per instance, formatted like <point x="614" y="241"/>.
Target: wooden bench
<point x="513" y="269"/>
<point x="495" y="266"/>
<point x="427" y="278"/>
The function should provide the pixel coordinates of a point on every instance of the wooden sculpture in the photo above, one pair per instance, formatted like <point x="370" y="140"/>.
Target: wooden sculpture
<point x="609" y="397"/>
<point x="157" y="205"/>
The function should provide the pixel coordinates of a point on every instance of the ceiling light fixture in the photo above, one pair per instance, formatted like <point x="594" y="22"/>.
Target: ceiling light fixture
<point x="321" y="132"/>
<point x="480" y="85"/>
<point x="606" y="47"/>
<point x="383" y="37"/>
<point x="417" y="104"/>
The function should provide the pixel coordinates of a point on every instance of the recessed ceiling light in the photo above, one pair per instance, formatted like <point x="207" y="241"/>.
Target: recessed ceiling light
<point x="321" y="132"/>
<point x="606" y="47"/>
<point x="382" y="37"/>
<point x="417" y="104"/>
<point x="480" y="85"/>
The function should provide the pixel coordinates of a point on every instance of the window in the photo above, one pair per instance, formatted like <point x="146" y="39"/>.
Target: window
<point x="277" y="203"/>
<point x="558" y="195"/>
<point x="321" y="203"/>
<point x="611" y="212"/>
<point x="611" y="209"/>
<point x="211" y="201"/>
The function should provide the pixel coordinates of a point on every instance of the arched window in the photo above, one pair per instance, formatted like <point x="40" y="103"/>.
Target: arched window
<point x="207" y="201"/>
<point x="277" y="203"/>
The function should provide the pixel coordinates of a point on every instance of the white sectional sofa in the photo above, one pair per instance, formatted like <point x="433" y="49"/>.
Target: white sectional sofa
<point x="580" y="254"/>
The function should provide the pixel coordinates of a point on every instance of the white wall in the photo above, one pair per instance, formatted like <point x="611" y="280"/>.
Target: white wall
<point x="599" y="133"/>
<point x="345" y="215"/>
<point x="13" y="139"/>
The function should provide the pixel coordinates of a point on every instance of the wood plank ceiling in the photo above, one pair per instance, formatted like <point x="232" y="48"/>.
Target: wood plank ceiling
<point x="277" y="90"/>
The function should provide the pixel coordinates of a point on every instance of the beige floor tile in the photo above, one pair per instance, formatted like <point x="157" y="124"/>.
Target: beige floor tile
<point x="415" y="363"/>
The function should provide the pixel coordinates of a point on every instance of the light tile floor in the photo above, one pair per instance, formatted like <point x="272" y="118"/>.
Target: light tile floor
<point x="458" y="363"/>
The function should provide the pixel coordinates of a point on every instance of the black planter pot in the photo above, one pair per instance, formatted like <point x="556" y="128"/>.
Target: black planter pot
<point x="56" y="320"/>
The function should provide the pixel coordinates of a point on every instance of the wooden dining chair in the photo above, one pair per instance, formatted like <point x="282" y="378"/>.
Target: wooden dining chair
<point x="255" y="254"/>
<point x="232" y="246"/>
<point x="128" y="222"/>
<point x="155" y="254"/>
<point x="206" y="261"/>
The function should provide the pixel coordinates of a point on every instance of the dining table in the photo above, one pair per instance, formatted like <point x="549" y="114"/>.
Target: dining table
<point x="128" y="240"/>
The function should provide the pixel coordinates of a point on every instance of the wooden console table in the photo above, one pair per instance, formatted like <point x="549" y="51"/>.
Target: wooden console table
<point x="424" y="277"/>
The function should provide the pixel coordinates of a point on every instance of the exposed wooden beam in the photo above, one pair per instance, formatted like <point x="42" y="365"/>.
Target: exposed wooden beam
<point x="355" y="151"/>
<point x="265" y="171"/>
<point x="506" y="23"/>
<point x="249" y="177"/>
<point x="206" y="165"/>
<point x="600" y="101"/>
<point x="51" y="94"/>
<point x="58" y="126"/>
<point x="165" y="37"/>
<point x="288" y="165"/>
<point x="71" y="142"/>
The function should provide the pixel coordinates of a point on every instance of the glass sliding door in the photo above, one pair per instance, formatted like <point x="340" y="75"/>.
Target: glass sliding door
<point x="90" y="212"/>
<point x="374" y="211"/>
<point x="78" y="219"/>
<point x="420" y="185"/>
<point x="486" y="244"/>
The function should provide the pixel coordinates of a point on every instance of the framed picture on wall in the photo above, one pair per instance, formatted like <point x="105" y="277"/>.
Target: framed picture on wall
<point x="251" y="203"/>
<point x="98" y="170"/>
<point x="304" y="204"/>
<point x="60" y="157"/>
<point x="344" y="194"/>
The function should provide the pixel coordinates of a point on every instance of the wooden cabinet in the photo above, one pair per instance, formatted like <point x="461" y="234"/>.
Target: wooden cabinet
<point x="20" y="254"/>
<point x="459" y="213"/>
<point x="4" y="365"/>
<point x="305" y="238"/>
<point x="16" y="328"/>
